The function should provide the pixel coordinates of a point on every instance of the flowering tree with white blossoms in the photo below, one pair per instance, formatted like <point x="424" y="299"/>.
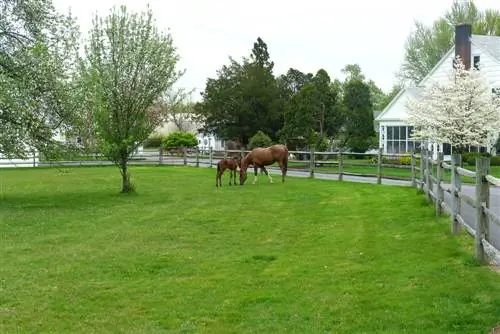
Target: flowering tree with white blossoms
<point x="462" y="112"/>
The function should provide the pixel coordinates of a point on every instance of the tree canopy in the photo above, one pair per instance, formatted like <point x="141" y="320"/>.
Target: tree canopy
<point x="38" y="49"/>
<point x="246" y="97"/>
<point x="128" y="66"/>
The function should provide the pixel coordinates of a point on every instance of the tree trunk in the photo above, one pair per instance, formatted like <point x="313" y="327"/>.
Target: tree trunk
<point x="125" y="176"/>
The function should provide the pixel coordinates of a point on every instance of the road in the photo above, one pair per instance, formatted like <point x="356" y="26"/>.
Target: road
<point x="468" y="212"/>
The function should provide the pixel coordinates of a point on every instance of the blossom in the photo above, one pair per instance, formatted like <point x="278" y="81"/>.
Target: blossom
<point x="463" y="111"/>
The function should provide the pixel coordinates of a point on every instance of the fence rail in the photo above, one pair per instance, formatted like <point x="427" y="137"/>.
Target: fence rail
<point x="486" y="236"/>
<point x="339" y="163"/>
<point x="420" y="169"/>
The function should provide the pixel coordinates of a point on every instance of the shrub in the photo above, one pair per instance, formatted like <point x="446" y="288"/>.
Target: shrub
<point x="180" y="139"/>
<point x="154" y="141"/>
<point x="469" y="158"/>
<point x="260" y="139"/>
<point x="495" y="161"/>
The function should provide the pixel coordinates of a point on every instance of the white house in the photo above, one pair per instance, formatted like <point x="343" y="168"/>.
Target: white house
<point x="205" y="142"/>
<point x="473" y="50"/>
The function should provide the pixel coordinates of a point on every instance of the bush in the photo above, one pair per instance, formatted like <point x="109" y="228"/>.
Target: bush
<point x="180" y="139"/>
<point x="495" y="161"/>
<point x="469" y="158"/>
<point x="260" y="139"/>
<point x="154" y="141"/>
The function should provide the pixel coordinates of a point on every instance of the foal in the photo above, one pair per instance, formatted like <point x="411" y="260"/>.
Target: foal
<point x="232" y="164"/>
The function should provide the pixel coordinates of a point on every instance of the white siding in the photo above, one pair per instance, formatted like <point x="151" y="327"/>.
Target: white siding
<point x="397" y="111"/>
<point x="487" y="64"/>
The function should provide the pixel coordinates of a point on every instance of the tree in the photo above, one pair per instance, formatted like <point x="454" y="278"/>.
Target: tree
<point x="178" y="110"/>
<point x="426" y="45"/>
<point x="243" y="99"/>
<point x="358" y="108"/>
<point x="260" y="139"/>
<point x="180" y="139"/>
<point x="129" y="65"/>
<point x="461" y="112"/>
<point x="314" y="112"/>
<point x="38" y="49"/>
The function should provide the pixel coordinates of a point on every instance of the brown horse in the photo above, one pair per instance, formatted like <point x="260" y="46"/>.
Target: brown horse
<point x="260" y="157"/>
<point x="232" y="164"/>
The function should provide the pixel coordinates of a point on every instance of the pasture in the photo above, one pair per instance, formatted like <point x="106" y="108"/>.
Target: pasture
<point x="309" y="256"/>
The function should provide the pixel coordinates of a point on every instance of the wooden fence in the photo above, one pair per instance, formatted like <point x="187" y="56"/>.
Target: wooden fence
<point x="338" y="163"/>
<point x="429" y="177"/>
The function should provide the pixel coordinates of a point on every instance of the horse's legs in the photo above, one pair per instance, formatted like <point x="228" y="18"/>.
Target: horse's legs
<point x="234" y="175"/>
<point x="255" y="169"/>
<point x="267" y="174"/>
<point x="231" y="172"/>
<point x="283" y="167"/>
<point x="218" y="180"/>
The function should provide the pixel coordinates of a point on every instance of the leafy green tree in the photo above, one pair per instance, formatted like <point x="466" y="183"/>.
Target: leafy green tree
<point x="314" y="112"/>
<point x="426" y="45"/>
<point x="129" y="65"/>
<point x="291" y="82"/>
<point x="260" y="139"/>
<point x="180" y="139"/>
<point x="38" y="49"/>
<point x="358" y="106"/>
<point x="243" y="99"/>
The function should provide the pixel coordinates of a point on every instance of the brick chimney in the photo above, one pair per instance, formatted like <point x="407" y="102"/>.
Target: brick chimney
<point x="463" y="33"/>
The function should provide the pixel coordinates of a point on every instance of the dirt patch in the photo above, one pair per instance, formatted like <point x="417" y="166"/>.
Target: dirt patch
<point x="497" y="270"/>
<point x="495" y="330"/>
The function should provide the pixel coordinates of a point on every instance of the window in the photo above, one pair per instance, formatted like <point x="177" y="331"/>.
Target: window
<point x="399" y="139"/>
<point x="476" y="62"/>
<point x="496" y="91"/>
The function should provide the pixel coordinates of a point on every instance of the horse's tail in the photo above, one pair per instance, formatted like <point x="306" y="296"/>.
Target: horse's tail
<point x="218" y="167"/>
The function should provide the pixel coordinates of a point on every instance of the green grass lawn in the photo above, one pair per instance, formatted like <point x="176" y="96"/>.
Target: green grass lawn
<point x="181" y="256"/>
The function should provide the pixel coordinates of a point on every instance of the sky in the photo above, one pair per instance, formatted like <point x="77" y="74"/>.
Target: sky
<point x="306" y="35"/>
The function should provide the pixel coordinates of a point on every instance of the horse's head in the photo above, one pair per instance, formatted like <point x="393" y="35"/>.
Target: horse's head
<point x="243" y="170"/>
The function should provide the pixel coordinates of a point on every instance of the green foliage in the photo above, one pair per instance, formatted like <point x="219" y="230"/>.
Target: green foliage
<point x="38" y="51"/>
<point x="260" y="139"/>
<point x="180" y="139"/>
<point x="154" y="141"/>
<point x="243" y="99"/>
<point x="128" y="66"/>
<point x="495" y="160"/>
<point x="314" y="112"/>
<point x="358" y="108"/>
<point x="469" y="158"/>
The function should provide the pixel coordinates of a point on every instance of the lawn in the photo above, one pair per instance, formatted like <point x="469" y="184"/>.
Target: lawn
<point x="309" y="256"/>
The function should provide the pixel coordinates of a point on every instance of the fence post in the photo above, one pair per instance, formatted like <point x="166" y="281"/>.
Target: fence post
<point x="160" y="156"/>
<point x="428" y="173"/>
<point x="312" y="162"/>
<point x="422" y="169"/>
<point x="379" y="166"/>
<point x="413" y="173"/>
<point x="210" y="157"/>
<point x="456" y="186"/>
<point x="439" y="178"/>
<point x="184" y="153"/>
<point x="341" y="166"/>
<point x="197" y="157"/>
<point x="482" y="197"/>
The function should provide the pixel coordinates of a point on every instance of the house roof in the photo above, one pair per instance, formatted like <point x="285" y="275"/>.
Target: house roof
<point x="488" y="44"/>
